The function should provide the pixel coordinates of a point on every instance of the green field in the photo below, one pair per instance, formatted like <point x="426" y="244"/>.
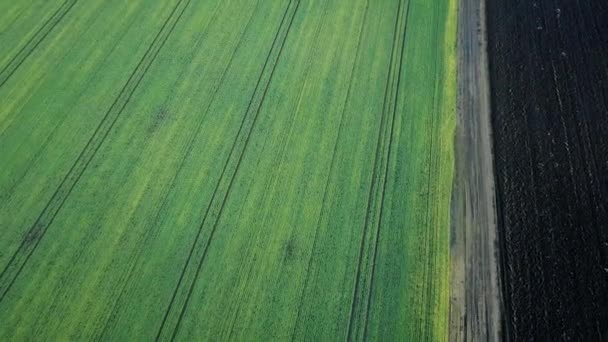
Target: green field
<point x="226" y="170"/>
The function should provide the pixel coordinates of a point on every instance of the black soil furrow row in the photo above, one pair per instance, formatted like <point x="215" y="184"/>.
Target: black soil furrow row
<point x="361" y="302"/>
<point x="591" y="139"/>
<point x="179" y="302"/>
<point x="36" y="233"/>
<point x="34" y="41"/>
<point x="549" y="118"/>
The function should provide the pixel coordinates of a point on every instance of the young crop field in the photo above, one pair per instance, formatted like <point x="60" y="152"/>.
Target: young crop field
<point x="226" y="170"/>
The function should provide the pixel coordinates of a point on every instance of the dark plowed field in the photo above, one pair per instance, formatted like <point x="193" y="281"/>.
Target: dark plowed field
<point x="549" y="76"/>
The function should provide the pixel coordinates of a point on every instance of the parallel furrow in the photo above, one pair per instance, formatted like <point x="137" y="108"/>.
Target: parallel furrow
<point x="38" y="230"/>
<point x="430" y="240"/>
<point x="186" y="153"/>
<point x="183" y="290"/>
<point x="34" y="41"/>
<point x="331" y="168"/>
<point x="360" y="309"/>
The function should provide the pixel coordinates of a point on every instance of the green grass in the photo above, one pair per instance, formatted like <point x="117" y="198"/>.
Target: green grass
<point x="210" y="170"/>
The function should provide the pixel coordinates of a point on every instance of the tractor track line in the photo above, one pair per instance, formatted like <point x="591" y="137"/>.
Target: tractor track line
<point x="285" y="139"/>
<point x="283" y="146"/>
<point x="235" y="156"/>
<point x="45" y="219"/>
<point x="429" y="267"/>
<point x="187" y="150"/>
<point x="391" y="88"/>
<point x="388" y="159"/>
<point x="331" y="167"/>
<point x="34" y="41"/>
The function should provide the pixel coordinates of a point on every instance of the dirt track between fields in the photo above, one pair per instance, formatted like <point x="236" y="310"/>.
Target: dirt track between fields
<point x="475" y="300"/>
